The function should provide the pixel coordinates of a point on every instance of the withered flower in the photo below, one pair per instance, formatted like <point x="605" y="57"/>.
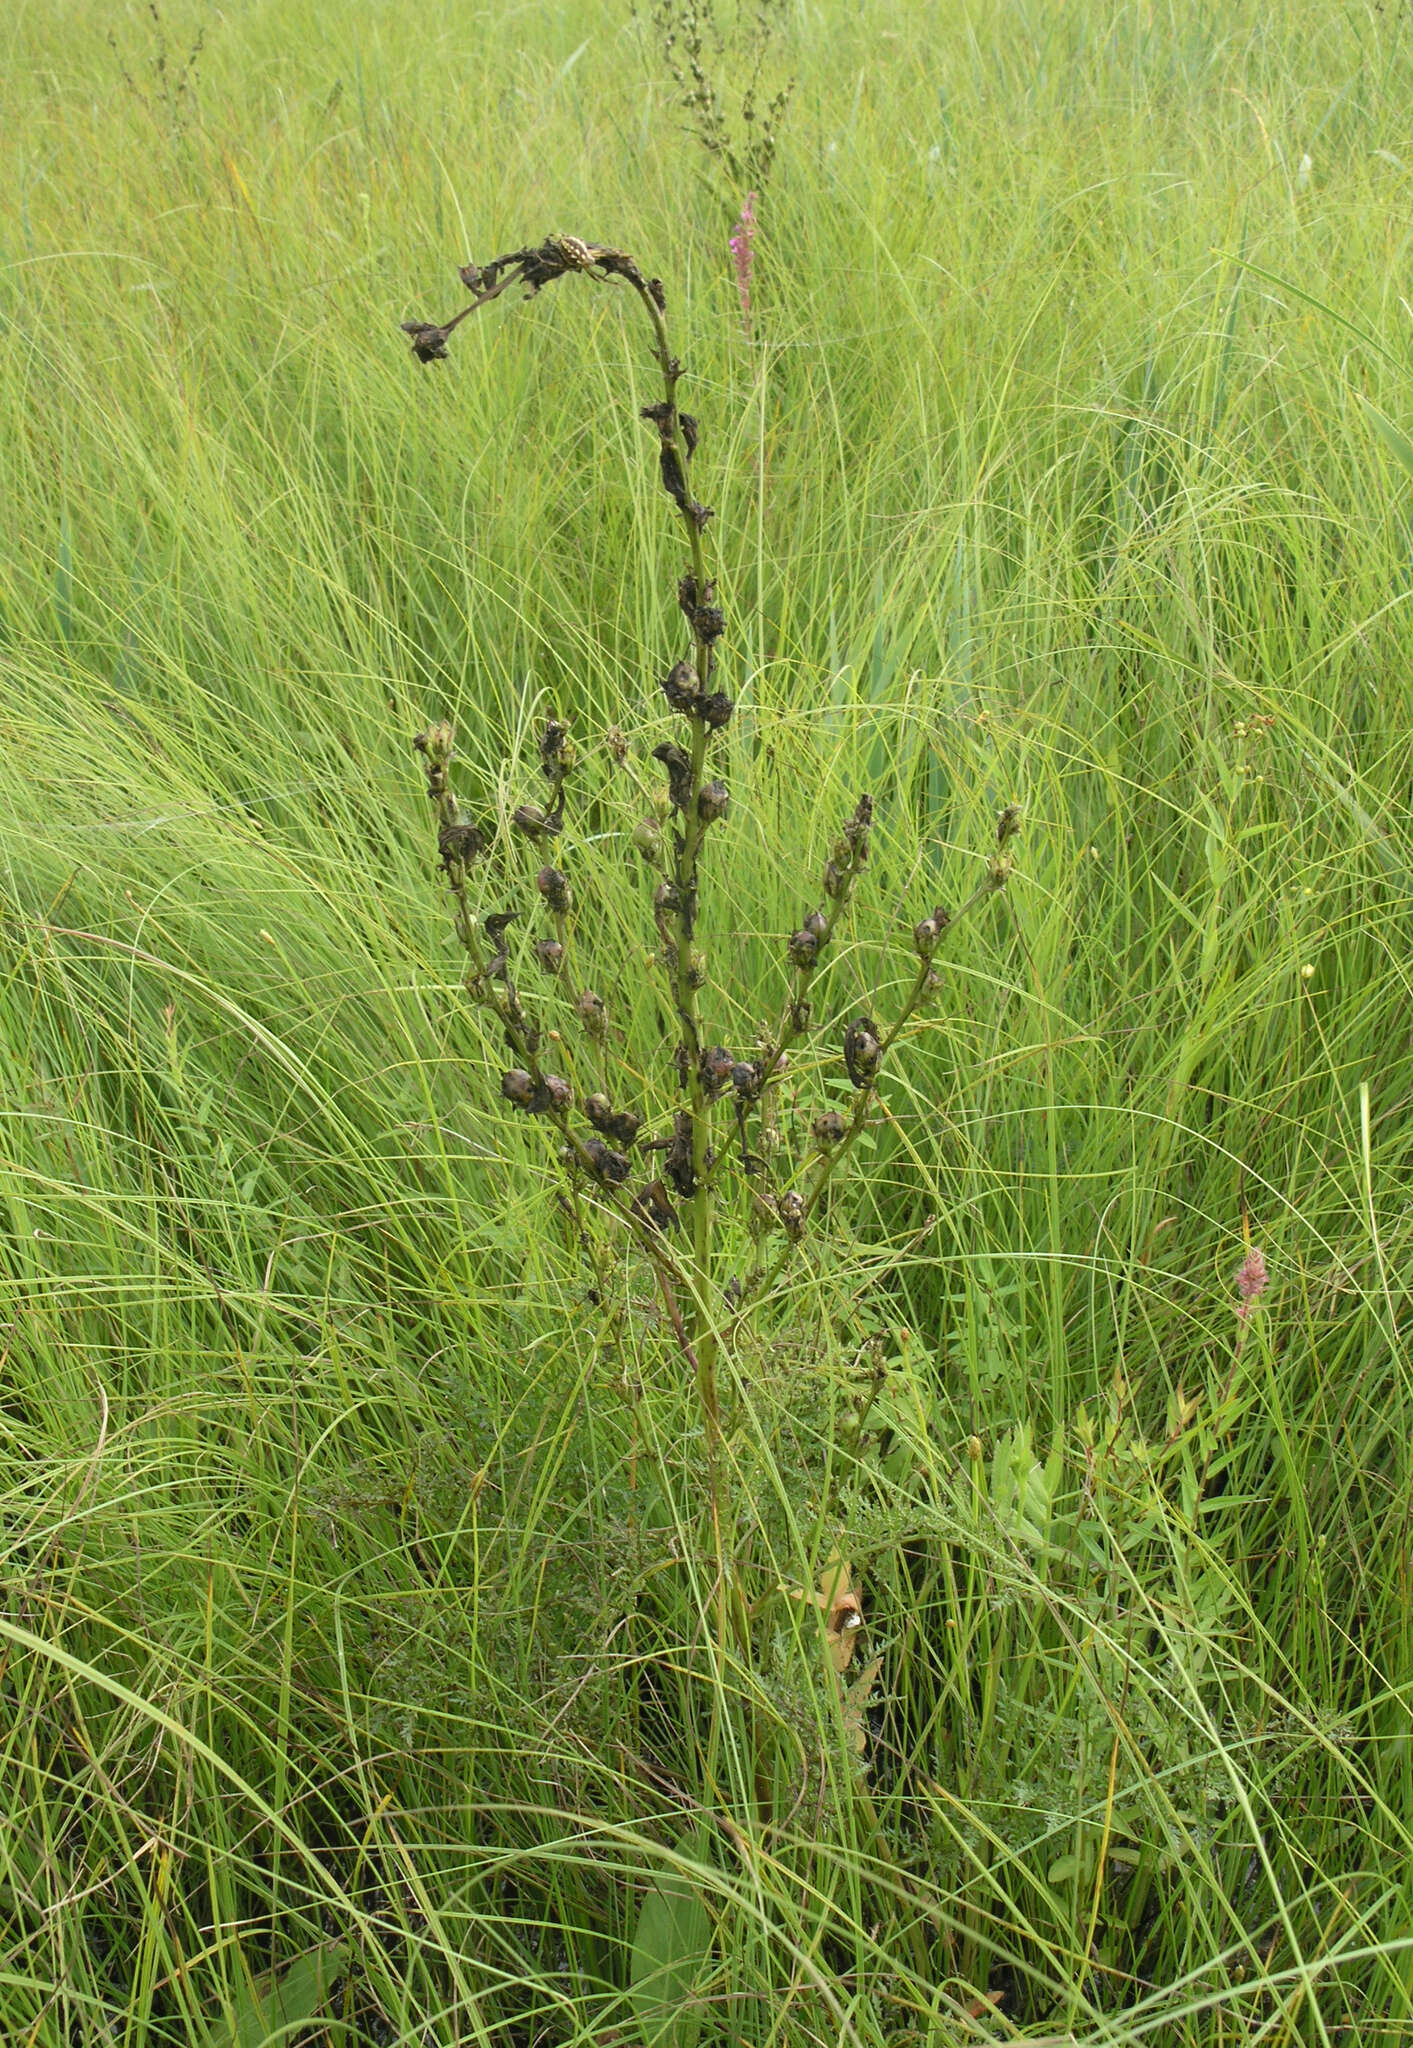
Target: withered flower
<point x="653" y="1205"/>
<point x="428" y="340"/>
<point x="713" y="802"/>
<point x="679" y="773"/>
<point x="608" y="1165"/>
<point x="536" y="824"/>
<point x="618" y="1124"/>
<point x="550" y="955"/>
<point x="591" y="1012"/>
<point x="746" y="1080"/>
<point x="827" y="1129"/>
<point x="716" y="1067"/>
<point x="460" y="844"/>
<point x="553" y="885"/>
<point x="647" y="837"/>
<point x="803" y="948"/>
<point x="679" y="686"/>
<point x="791" y="1210"/>
<point x="862" y="1051"/>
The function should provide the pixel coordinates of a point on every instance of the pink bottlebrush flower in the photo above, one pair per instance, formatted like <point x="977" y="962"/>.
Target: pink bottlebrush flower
<point x="743" y="255"/>
<point x="1251" y="1281"/>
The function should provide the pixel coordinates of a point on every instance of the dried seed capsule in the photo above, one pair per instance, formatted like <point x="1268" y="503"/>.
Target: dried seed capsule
<point x="715" y="711"/>
<point x="817" y="923"/>
<point x="925" y="937"/>
<point x="550" y="955"/>
<point x="745" y="1079"/>
<point x="791" y="1210"/>
<point x="803" y="949"/>
<point x="518" y="1087"/>
<point x="558" y="1093"/>
<point x="827" y="1129"/>
<point x="553" y="885"/>
<point x="1008" y="823"/>
<point x="708" y="623"/>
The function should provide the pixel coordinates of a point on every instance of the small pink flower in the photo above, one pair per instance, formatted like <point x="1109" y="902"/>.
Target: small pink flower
<point x="743" y="255"/>
<point x="1251" y="1281"/>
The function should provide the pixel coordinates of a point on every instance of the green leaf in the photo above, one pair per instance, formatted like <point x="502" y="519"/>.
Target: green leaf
<point x="670" y="1946"/>
<point x="271" y="2009"/>
<point x="1394" y="439"/>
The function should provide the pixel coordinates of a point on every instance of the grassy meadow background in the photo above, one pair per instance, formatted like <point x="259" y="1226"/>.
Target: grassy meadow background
<point x="1054" y="468"/>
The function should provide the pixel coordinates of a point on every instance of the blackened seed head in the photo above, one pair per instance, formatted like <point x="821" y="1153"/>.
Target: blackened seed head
<point x="817" y="923"/>
<point x="827" y="1129"/>
<point x="1008" y="823"/>
<point x="518" y="1087"/>
<point x="708" y="623"/>
<point x="660" y="415"/>
<point x="716" y="710"/>
<point x="689" y="431"/>
<point x="657" y="294"/>
<point x="745" y="1079"/>
<point x="557" y="1089"/>
<point x="550" y="954"/>
<point x="499" y="923"/>
<point x="687" y="593"/>
<point x="803" y="948"/>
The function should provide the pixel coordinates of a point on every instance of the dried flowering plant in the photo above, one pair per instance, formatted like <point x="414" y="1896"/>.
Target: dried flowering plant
<point x="696" y="1175"/>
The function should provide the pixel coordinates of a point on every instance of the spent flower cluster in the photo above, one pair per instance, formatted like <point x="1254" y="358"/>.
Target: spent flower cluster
<point x="690" y="1164"/>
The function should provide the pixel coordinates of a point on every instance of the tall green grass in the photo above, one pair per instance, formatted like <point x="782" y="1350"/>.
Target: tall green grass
<point x="331" y="1534"/>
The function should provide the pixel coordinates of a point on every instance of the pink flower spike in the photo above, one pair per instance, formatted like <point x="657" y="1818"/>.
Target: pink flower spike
<point x="743" y="255"/>
<point x="1251" y="1281"/>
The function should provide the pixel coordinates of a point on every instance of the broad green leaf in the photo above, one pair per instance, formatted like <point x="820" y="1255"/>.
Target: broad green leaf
<point x="271" y="2009"/>
<point x="670" y="1947"/>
